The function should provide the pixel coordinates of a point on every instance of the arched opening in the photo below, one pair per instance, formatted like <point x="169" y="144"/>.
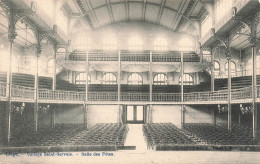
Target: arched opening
<point x="135" y="79"/>
<point x="160" y="79"/>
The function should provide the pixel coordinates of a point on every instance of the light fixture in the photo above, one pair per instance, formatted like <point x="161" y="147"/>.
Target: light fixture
<point x="246" y="109"/>
<point x="44" y="108"/>
<point x="18" y="109"/>
<point x="222" y="109"/>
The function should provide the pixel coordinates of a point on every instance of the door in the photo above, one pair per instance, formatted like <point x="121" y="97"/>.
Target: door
<point x="135" y="114"/>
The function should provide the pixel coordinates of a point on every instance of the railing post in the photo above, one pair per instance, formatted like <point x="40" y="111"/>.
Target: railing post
<point x="254" y="92"/>
<point x="182" y="94"/>
<point x="151" y="77"/>
<point x="212" y="71"/>
<point x="119" y="77"/>
<point x="228" y="54"/>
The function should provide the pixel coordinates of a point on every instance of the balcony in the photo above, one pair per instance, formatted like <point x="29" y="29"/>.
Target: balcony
<point x="127" y="56"/>
<point x="26" y="94"/>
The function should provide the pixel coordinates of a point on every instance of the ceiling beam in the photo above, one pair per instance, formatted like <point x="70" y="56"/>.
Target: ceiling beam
<point x="110" y="11"/>
<point x="85" y="14"/>
<point x="178" y="15"/>
<point x="160" y="12"/>
<point x="144" y="10"/>
<point x="92" y="12"/>
<point x="127" y="10"/>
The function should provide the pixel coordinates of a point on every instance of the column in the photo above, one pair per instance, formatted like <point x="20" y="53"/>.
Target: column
<point x="182" y="94"/>
<point x="212" y="71"/>
<point x="85" y="119"/>
<point x="151" y="77"/>
<point x="119" y="77"/>
<point x="228" y="54"/>
<point x="85" y="105"/>
<point x="254" y="91"/>
<point x="54" y="81"/>
<point x="53" y="116"/>
<point x="213" y="115"/>
<point x="87" y="72"/>
<point x="36" y="88"/>
<point x="11" y="36"/>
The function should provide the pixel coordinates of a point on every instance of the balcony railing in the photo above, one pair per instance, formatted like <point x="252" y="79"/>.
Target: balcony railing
<point x="244" y="93"/>
<point x="2" y="89"/>
<point x="167" y="57"/>
<point x="61" y="95"/>
<point x="22" y="92"/>
<point x="135" y="97"/>
<point x="28" y="93"/>
<point x="166" y="97"/>
<point x="135" y="56"/>
<point x="206" y="96"/>
<point x="102" y="96"/>
<point x="100" y="56"/>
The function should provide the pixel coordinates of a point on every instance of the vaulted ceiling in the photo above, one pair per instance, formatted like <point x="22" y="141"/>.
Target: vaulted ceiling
<point x="177" y="15"/>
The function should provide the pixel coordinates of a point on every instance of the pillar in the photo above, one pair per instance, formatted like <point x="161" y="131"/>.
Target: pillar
<point x="119" y="77"/>
<point x="11" y="36"/>
<point x="213" y="116"/>
<point x="53" y="116"/>
<point x="54" y="81"/>
<point x="85" y="119"/>
<point x="151" y="77"/>
<point x="212" y="71"/>
<point x="182" y="94"/>
<point x="36" y="89"/>
<point x="228" y="54"/>
<point x="254" y="91"/>
<point x="87" y="72"/>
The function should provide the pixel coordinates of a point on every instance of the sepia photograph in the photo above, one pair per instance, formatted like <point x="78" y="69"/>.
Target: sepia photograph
<point x="130" y="81"/>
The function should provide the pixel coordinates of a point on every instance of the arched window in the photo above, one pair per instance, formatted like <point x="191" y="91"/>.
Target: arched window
<point x="187" y="79"/>
<point x="109" y="78"/>
<point x="160" y="44"/>
<point x="216" y="68"/>
<point x="109" y="43"/>
<point x="160" y="79"/>
<point x="135" y="79"/>
<point x="81" y="78"/>
<point x="135" y="43"/>
<point x="232" y="67"/>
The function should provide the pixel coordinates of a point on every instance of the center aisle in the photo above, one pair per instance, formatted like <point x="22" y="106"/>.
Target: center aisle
<point x="135" y="138"/>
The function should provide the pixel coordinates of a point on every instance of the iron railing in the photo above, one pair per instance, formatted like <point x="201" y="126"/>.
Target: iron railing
<point x="135" y="97"/>
<point x="28" y="93"/>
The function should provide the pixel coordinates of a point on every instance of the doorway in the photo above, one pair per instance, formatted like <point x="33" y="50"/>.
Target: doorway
<point x="135" y="114"/>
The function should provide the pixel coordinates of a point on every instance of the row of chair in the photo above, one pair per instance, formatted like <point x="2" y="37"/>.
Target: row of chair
<point x="164" y="134"/>
<point x="220" y="135"/>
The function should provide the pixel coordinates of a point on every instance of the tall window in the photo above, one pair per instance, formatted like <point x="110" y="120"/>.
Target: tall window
<point x="187" y="79"/>
<point x="222" y="7"/>
<point x="206" y="25"/>
<point x="232" y="67"/>
<point x="135" y="43"/>
<point x="81" y="78"/>
<point x="160" y="44"/>
<point x="216" y="68"/>
<point x="135" y="79"/>
<point x="109" y="78"/>
<point x="109" y="43"/>
<point x="160" y="79"/>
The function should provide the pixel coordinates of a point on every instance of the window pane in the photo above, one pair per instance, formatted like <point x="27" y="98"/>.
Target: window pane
<point x="139" y="113"/>
<point x="130" y="113"/>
